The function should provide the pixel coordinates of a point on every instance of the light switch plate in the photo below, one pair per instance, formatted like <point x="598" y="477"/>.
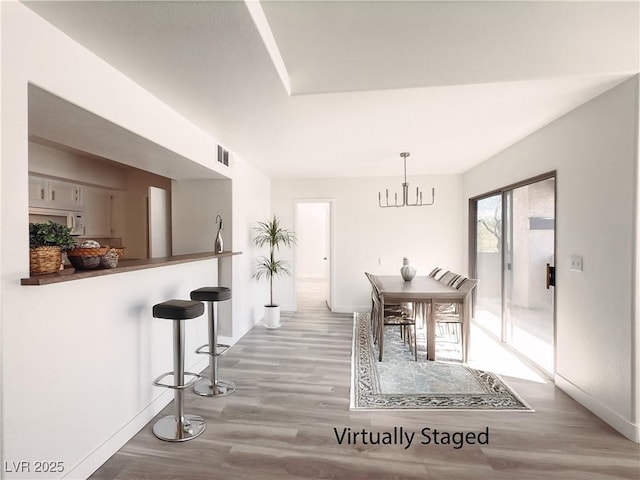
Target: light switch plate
<point x="575" y="263"/>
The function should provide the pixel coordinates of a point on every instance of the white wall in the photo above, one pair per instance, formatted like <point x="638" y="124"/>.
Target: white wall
<point x="78" y="357"/>
<point x="50" y="161"/>
<point x="195" y="204"/>
<point x="594" y="151"/>
<point x="251" y="203"/>
<point x="366" y="237"/>
<point x="311" y="231"/>
<point x="2" y="204"/>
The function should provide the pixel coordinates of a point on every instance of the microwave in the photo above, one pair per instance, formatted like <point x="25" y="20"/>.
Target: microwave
<point x="71" y="219"/>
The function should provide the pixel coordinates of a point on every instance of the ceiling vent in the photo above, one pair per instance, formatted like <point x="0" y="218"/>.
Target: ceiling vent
<point x="223" y="155"/>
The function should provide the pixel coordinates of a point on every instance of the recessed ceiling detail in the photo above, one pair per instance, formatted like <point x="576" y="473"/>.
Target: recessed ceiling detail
<point x="373" y="45"/>
<point x="452" y="82"/>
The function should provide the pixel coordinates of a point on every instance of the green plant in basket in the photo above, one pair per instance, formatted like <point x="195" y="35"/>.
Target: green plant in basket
<point x="47" y="241"/>
<point x="50" y="234"/>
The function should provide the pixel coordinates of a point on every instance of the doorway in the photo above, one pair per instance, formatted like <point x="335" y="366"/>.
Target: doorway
<point x="313" y="254"/>
<point x="512" y="256"/>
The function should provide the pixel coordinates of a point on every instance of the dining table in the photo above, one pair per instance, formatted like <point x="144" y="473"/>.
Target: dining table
<point x="425" y="292"/>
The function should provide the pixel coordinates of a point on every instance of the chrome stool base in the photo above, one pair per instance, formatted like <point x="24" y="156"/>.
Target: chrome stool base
<point x="171" y="430"/>
<point x="206" y="388"/>
<point x="213" y="386"/>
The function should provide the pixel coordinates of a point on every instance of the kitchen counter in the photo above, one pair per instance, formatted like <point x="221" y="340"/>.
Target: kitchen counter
<point x="124" y="265"/>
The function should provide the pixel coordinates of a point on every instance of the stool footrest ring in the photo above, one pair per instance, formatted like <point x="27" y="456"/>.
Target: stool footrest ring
<point x="201" y="350"/>
<point x="196" y="377"/>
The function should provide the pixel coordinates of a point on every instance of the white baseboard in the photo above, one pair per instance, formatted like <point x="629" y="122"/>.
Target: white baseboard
<point x="335" y="309"/>
<point x="100" y="455"/>
<point x="614" y="419"/>
<point x="350" y="308"/>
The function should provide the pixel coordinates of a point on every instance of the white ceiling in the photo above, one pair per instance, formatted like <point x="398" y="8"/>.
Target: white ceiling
<point x="451" y="82"/>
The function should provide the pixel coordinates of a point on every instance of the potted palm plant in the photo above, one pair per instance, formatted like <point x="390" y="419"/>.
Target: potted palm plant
<point x="271" y="234"/>
<point x="47" y="241"/>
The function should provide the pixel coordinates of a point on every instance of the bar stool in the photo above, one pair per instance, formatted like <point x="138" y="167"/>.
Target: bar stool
<point x="213" y="386"/>
<point x="178" y="427"/>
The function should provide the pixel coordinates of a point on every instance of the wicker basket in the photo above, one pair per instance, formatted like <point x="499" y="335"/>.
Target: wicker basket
<point x="86" y="258"/>
<point x="44" y="260"/>
<point x="88" y="252"/>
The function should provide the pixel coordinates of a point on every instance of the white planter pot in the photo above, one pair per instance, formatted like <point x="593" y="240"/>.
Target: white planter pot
<point x="272" y="316"/>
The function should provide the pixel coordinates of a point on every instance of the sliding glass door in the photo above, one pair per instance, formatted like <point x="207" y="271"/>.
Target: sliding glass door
<point x="530" y="248"/>
<point x="489" y="264"/>
<point x="513" y="260"/>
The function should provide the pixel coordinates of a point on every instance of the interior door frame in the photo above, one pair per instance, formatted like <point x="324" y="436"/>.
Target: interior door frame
<point x="472" y="232"/>
<point x="330" y="240"/>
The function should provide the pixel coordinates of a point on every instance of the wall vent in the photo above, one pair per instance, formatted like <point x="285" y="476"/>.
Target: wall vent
<point x="223" y="155"/>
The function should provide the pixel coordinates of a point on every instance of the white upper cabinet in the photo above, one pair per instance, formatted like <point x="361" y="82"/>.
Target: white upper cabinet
<point x="38" y="191"/>
<point x="44" y="192"/>
<point x="65" y="195"/>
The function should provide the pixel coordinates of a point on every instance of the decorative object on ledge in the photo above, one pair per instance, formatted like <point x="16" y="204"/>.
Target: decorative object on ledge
<point x="44" y="260"/>
<point x="47" y="241"/>
<point x="407" y="271"/>
<point x="110" y="259"/>
<point x="271" y="234"/>
<point x="405" y="192"/>
<point x="87" y="255"/>
<point x="218" y="243"/>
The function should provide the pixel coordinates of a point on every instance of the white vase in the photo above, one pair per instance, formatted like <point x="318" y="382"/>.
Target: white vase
<point x="272" y="316"/>
<point x="407" y="271"/>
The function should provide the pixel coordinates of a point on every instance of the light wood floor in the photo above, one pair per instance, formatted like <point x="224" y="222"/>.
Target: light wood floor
<point x="293" y="389"/>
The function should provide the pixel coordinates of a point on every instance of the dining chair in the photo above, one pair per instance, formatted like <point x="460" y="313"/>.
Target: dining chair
<point x="373" y="316"/>
<point x="405" y="320"/>
<point x="450" y="308"/>
<point x="389" y="309"/>
<point x="434" y="273"/>
<point x="450" y="312"/>
<point x="458" y="282"/>
<point x="448" y="278"/>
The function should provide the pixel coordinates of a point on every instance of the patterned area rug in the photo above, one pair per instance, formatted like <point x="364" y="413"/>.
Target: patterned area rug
<point x="399" y="382"/>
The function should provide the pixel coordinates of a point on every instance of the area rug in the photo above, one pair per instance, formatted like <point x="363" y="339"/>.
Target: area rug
<point x="400" y="383"/>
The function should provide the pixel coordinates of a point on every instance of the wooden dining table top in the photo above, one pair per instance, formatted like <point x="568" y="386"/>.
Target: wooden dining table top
<point x="421" y="287"/>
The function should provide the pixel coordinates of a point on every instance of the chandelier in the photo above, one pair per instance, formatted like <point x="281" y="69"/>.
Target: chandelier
<point x="405" y="192"/>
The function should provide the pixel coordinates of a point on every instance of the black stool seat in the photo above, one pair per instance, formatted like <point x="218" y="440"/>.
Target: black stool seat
<point x="178" y="309"/>
<point x="211" y="294"/>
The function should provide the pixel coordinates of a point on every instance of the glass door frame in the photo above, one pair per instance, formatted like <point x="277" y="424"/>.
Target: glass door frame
<point x="473" y="245"/>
